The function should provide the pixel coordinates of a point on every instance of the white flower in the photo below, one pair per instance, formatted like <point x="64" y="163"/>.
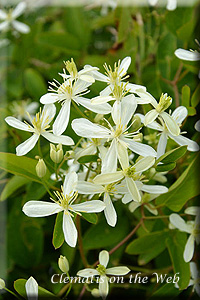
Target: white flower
<point x="9" y="19"/>
<point x="191" y="227"/>
<point x="39" y="125"/>
<point x="31" y="287"/>
<point x="65" y="93"/>
<point x="2" y="284"/>
<point x="65" y="203"/>
<point x="90" y="148"/>
<point x="20" y="109"/>
<point x="171" y="4"/>
<point x="121" y="139"/>
<point x="197" y="126"/>
<point x="189" y="55"/>
<point x="178" y="116"/>
<point x="131" y="174"/>
<point x="102" y="271"/>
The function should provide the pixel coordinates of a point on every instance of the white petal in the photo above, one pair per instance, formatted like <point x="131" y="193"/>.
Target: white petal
<point x="189" y="249"/>
<point x="128" y="107"/>
<point x="70" y="183"/>
<point x="133" y="189"/>
<point x="122" y="155"/>
<point x="21" y="27"/>
<point x="61" y="139"/>
<point x="162" y="144"/>
<point x="192" y="210"/>
<point x="171" y="124"/>
<point x="179" y="223"/>
<point x="88" y="272"/>
<point x="31" y="108"/>
<point x="101" y="99"/>
<point x="87" y="188"/>
<point x="148" y="98"/>
<point x="80" y="86"/>
<point x="104" y="258"/>
<point x="194" y="270"/>
<point x="182" y="141"/>
<point x="69" y="230"/>
<point x="107" y="91"/>
<point x="144" y="164"/>
<point x="62" y="119"/>
<point x="98" y="76"/>
<point x="16" y="123"/>
<point x="187" y="55"/>
<point x="171" y="4"/>
<point x="103" y="286"/>
<point x="48" y="113"/>
<point x="153" y="125"/>
<point x="151" y="208"/>
<point x="49" y="98"/>
<point x="110" y="213"/>
<point x="133" y="205"/>
<point x="134" y="88"/>
<point x="97" y="108"/>
<point x="41" y="208"/>
<point x="27" y="146"/>
<point x="150" y="117"/>
<point x="31" y="289"/>
<point x="4" y="25"/>
<point x="197" y="126"/>
<point x="179" y="114"/>
<point x="90" y="150"/>
<point x="153" y="2"/>
<point x="139" y="148"/>
<point x="92" y="206"/>
<point x="116" y="112"/>
<point x="128" y="198"/>
<point x="108" y="178"/>
<point x="3" y="15"/>
<point x="124" y="65"/>
<point x="85" y="128"/>
<point x="87" y="78"/>
<point x="109" y="164"/>
<point x="19" y="9"/>
<point x="154" y="189"/>
<point x="118" y="271"/>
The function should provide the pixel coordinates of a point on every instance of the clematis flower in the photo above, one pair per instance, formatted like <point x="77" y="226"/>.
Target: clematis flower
<point x="39" y="126"/>
<point x="20" y="109"/>
<point x="64" y="203"/>
<point x="65" y="93"/>
<point x="31" y="287"/>
<point x="103" y="271"/>
<point x="118" y="134"/>
<point x="131" y="174"/>
<point x="178" y="115"/>
<point x="191" y="227"/>
<point x="9" y="19"/>
<point x="171" y="4"/>
<point x="91" y="147"/>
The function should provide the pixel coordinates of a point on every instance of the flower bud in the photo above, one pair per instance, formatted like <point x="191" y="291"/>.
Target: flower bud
<point x="41" y="168"/>
<point x="2" y="284"/>
<point x="95" y="293"/>
<point x="56" y="153"/>
<point x="63" y="264"/>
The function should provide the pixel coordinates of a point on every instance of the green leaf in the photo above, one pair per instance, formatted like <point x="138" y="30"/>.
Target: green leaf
<point x="34" y="83"/>
<point x="19" y="286"/>
<point x="19" y="165"/>
<point x="91" y="218"/>
<point x="124" y="23"/>
<point x="13" y="185"/>
<point x="185" y="96"/>
<point x="167" y="289"/>
<point x="58" y="235"/>
<point x="185" y="32"/>
<point x="87" y="159"/>
<point x="185" y="188"/>
<point x="195" y="97"/>
<point x="151" y="244"/>
<point x="166" y="167"/>
<point x="176" y="245"/>
<point x="172" y="155"/>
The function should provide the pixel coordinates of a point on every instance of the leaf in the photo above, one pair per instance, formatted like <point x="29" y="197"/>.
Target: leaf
<point x="20" y="165"/>
<point x="176" y="245"/>
<point x="34" y="83"/>
<point x="87" y="159"/>
<point x="185" y="188"/>
<point x="92" y="218"/>
<point x="195" y="97"/>
<point x="185" y="32"/>
<point x="185" y="96"/>
<point x="58" y="235"/>
<point x="19" y="286"/>
<point x="124" y="23"/>
<point x="13" y="185"/>
<point x="167" y="289"/>
<point x="153" y="243"/>
<point x="172" y="155"/>
<point x="166" y="167"/>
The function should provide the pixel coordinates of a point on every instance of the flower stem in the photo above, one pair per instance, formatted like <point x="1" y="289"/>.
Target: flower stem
<point x="80" y="242"/>
<point x="78" y="109"/>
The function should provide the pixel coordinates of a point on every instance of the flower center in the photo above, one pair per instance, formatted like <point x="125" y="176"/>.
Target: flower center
<point x="119" y="91"/>
<point x="110" y="189"/>
<point x="130" y="172"/>
<point x="39" y="123"/>
<point x="65" y="200"/>
<point x="96" y="141"/>
<point x="66" y="88"/>
<point x="164" y="102"/>
<point x="115" y="75"/>
<point x="101" y="269"/>
<point x="118" y="131"/>
<point x="196" y="232"/>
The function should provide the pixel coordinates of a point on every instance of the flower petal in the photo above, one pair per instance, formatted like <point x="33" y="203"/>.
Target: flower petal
<point x="187" y="55"/>
<point x="194" y="270"/>
<point x="103" y="286"/>
<point x="31" y="289"/>
<point x="133" y="206"/>
<point x="150" y="116"/>
<point x="162" y="144"/>
<point x="62" y="119"/>
<point x="69" y="230"/>
<point x="48" y="113"/>
<point x="179" y="223"/>
<point x="88" y="272"/>
<point x="49" y="98"/>
<point x="116" y="112"/>
<point x="128" y="107"/>
<point x="197" y="126"/>
<point x="92" y="206"/>
<point x="4" y="25"/>
<point x="139" y="148"/>
<point x="61" y="139"/>
<point x="133" y="190"/>
<point x="3" y="15"/>
<point x="27" y="146"/>
<point x="85" y="128"/>
<point x="154" y="189"/>
<point x="109" y="163"/>
<point x="104" y="258"/>
<point x="70" y="183"/>
<point x="128" y="198"/>
<point x="104" y="108"/>
<point x="171" y="124"/>
<point x="21" y="27"/>
<point x="118" y="271"/>
<point x="144" y="164"/>
<point x="192" y="210"/>
<point x="148" y="98"/>
<point x="179" y="114"/>
<point x="134" y="88"/>
<point x="184" y="141"/>
<point x="109" y="211"/>
<point x="19" y="9"/>
<point x="41" y="208"/>
<point x="17" y="123"/>
<point x="90" y="150"/>
<point x="108" y="178"/>
<point x="122" y="155"/>
<point x="189" y="249"/>
<point x="98" y="76"/>
<point x="84" y="187"/>
<point x="171" y="4"/>
<point x="101" y="99"/>
<point x="124" y="65"/>
<point x="153" y="125"/>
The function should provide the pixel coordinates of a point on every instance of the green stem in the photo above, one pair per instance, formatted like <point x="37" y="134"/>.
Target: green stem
<point x="39" y="149"/>
<point x="80" y="242"/>
<point x="80" y="140"/>
<point x="12" y="293"/>
<point x="78" y="109"/>
<point x="46" y="187"/>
